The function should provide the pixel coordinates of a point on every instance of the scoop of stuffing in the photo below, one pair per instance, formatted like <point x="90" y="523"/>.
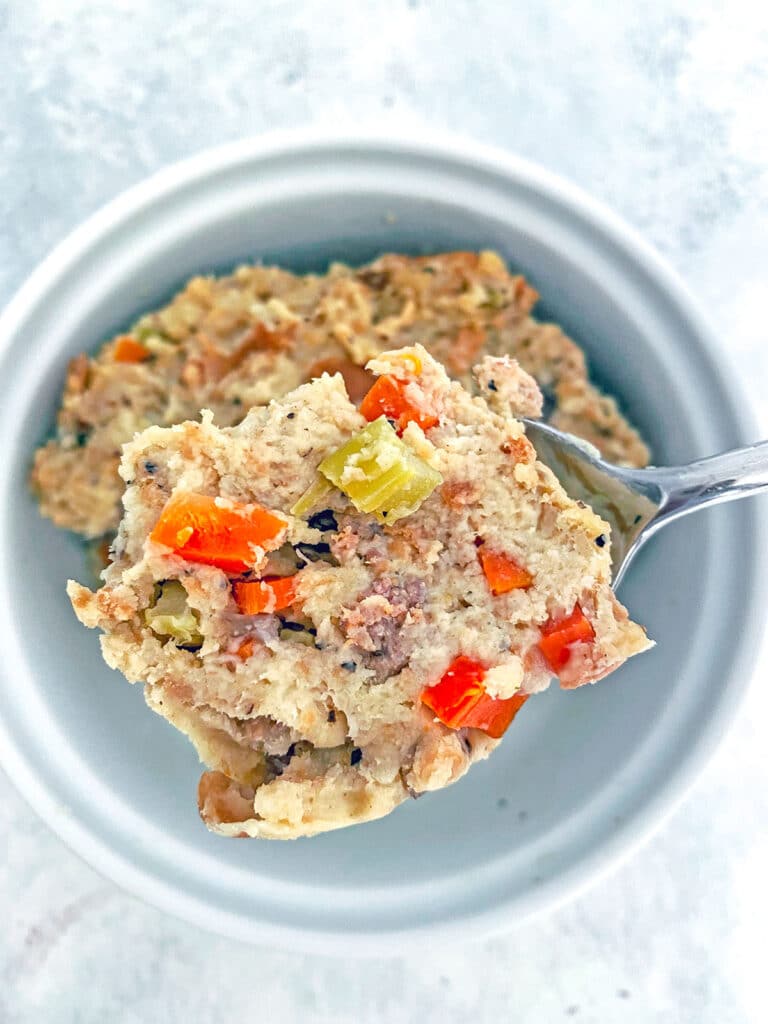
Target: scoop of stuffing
<point x="345" y="606"/>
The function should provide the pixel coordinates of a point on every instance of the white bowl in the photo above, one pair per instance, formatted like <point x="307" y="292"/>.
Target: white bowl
<point x="582" y="777"/>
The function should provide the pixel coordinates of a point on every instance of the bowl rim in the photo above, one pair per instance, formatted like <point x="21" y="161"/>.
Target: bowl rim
<point x="662" y="801"/>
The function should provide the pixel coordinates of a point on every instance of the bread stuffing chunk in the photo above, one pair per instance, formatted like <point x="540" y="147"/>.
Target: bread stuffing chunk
<point x="344" y="605"/>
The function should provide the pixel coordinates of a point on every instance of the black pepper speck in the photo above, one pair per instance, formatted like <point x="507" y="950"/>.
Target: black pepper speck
<point x="600" y="541"/>
<point x="350" y="666"/>
<point x="492" y="385"/>
<point x="356" y="756"/>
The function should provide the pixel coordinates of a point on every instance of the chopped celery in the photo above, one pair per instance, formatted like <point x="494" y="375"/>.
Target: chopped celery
<point x="311" y="497"/>
<point x="380" y="474"/>
<point x="171" y="616"/>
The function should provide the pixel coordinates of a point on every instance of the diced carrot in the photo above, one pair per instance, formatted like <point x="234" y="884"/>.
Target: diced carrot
<point x="458" y="690"/>
<point x="387" y="398"/>
<point x="502" y="572"/>
<point x="269" y="595"/>
<point x="245" y="650"/>
<point x="494" y="717"/>
<point x="460" y="700"/>
<point x="559" y="634"/>
<point x="128" y="350"/>
<point x="212" y="532"/>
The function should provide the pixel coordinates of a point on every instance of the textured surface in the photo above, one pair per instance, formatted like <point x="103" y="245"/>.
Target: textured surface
<point x="656" y="110"/>
<point x="305" y="737"/>
<point x="231" y="351"/>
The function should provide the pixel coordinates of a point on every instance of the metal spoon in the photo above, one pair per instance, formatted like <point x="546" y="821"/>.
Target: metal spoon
<point x="638" y="502"/>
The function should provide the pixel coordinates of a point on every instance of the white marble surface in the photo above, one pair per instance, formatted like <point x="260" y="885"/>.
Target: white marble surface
<point x="661" y="110"/>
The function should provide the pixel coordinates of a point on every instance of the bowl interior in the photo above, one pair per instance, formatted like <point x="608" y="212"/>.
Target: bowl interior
<point x="577" y="773"/>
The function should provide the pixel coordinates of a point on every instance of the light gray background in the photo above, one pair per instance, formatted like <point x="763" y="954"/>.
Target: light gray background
<point x="662" y="111"/>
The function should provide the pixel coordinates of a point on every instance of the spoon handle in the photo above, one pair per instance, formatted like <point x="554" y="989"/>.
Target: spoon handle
<point x="734" y="474"/>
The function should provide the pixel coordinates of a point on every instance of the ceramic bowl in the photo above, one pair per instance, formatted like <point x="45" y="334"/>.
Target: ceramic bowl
<point x="582" y="777"/>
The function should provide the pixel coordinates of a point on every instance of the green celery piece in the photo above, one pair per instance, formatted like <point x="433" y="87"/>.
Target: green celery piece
<point x="311" y="497"/>
<point x="395" y="481"/>
<point x="171" y="616"/>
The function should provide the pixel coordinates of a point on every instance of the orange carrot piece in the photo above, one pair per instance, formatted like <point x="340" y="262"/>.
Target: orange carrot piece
<point x="502" y="572"/>
<point x="269" y="595"/>
<point x="245" y="650"/>
<point x="494" y="716"/>
<point x="460" y="700"/>
<point x="458" y="690"/>
<point x="559" y="635"/>
<point x="387" y="398"/>
<point x="128" y="350"/>
<point x="200" y="529"/>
